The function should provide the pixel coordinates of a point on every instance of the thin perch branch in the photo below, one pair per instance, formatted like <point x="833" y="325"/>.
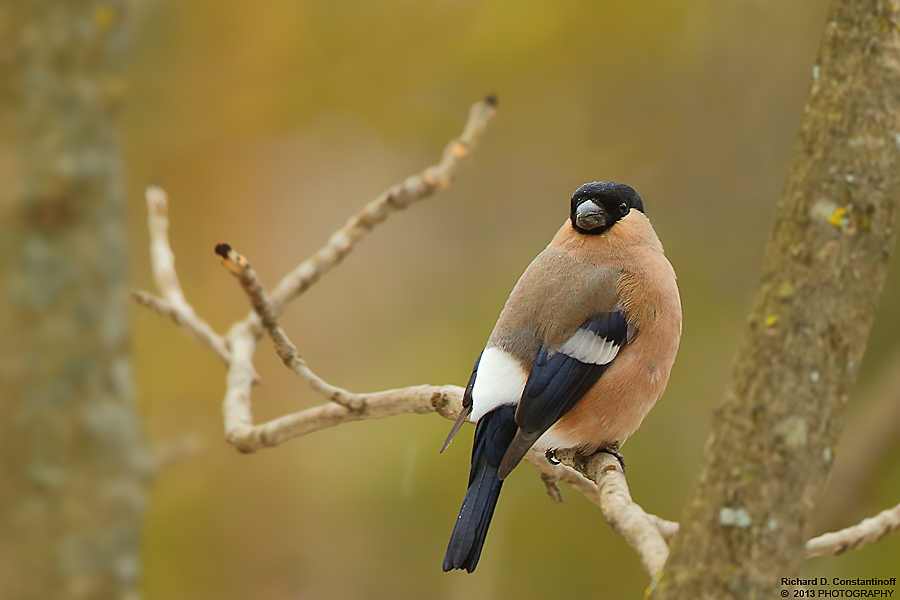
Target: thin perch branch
<point x="565" y="474"/>
<point x="852" y="538"/>
<point x="287" y="351"/>
<point x="625" y="517"/>
<point x="247" y="437"/>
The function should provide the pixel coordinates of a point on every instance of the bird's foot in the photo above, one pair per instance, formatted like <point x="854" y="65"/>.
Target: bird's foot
<point x="551" y="457"/>
<point x="614" y="451"/>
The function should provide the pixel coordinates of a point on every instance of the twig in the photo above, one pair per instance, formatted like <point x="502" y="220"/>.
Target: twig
<point x="625" y="517"/>
<point x="398" y="197"/>
<point x="564" y="474"/>
<point x="667" y="529"/>
<point x="868" y="531"/>
<point x="287" y="351"/>
<point x="246" y="437"/>
<point x="157" y="304"/>
<point x="162" y="262"/>
<point x="162" y="259"/>
<point x="552" y="485"/>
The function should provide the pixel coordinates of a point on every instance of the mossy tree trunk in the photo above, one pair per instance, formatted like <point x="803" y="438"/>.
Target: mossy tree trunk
<point x="71" y="457"/>
<point x="775" y="434"/>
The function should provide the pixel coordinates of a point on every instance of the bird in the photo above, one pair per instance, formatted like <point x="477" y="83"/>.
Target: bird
<point x="581" y="352"/>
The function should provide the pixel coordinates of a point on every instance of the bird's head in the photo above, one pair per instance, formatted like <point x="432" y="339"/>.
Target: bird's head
<point x="598" y="206"/>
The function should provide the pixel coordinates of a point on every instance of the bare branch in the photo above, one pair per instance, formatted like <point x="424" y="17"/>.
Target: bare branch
<point x="287" y="351"/>
<point x="552" y="485"/>
<point x="564" y="474"/>
<point x="238" y="418"/>
<point x="162" y="262"/>
<point x="188" y="322"/>
<point x="628" y="519"/>
<point x="157" y="304"/>
<point x="625" y="517"/>
<point x="667" y="529"/>
<point x="852" y="538"/>
<point x="398" y="197"/>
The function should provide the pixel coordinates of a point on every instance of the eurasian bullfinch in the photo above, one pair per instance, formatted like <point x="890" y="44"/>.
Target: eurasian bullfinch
<point x="580" y="354"/>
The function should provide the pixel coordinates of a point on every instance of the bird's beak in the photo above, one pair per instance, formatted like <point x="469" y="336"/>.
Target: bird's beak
<point x="590" y="216"/>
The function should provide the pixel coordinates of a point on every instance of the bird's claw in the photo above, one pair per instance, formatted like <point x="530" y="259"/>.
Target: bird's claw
<point x="614" y="451"/>
<point x="551" y="457"/>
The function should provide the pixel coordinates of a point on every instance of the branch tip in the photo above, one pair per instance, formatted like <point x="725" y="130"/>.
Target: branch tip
<point x="162" y="262"/>
<point x="236" y="263"/>
<point x="156" y="196"/>
<point x="223" y="250"/>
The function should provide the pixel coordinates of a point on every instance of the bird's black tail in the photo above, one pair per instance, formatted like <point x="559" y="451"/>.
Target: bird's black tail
<point x="493" y="435"/>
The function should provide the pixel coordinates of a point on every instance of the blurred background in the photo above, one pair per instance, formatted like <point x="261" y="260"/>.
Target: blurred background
<point x="270" y="122"/>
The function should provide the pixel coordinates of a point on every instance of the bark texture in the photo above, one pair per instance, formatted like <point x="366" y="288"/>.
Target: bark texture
<point x="71" y="458"/>
<point x="774" y="435"/>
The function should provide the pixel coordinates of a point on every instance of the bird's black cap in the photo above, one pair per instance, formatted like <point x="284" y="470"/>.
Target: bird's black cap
<point x="598" y="206"/>
<point x="608" y="192"/>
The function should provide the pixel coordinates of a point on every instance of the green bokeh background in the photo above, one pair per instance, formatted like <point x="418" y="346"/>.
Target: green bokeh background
<point x="269" y="123"/>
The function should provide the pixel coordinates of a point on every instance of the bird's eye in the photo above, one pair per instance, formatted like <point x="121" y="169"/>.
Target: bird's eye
<point x="623" y="208"/>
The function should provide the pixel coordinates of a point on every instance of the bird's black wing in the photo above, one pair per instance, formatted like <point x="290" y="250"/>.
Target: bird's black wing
<point x="559" y="378"/>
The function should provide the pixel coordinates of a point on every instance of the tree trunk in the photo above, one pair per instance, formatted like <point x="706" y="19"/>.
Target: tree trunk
<point x="71" y="457"/>
<point x="774" y="435"/>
